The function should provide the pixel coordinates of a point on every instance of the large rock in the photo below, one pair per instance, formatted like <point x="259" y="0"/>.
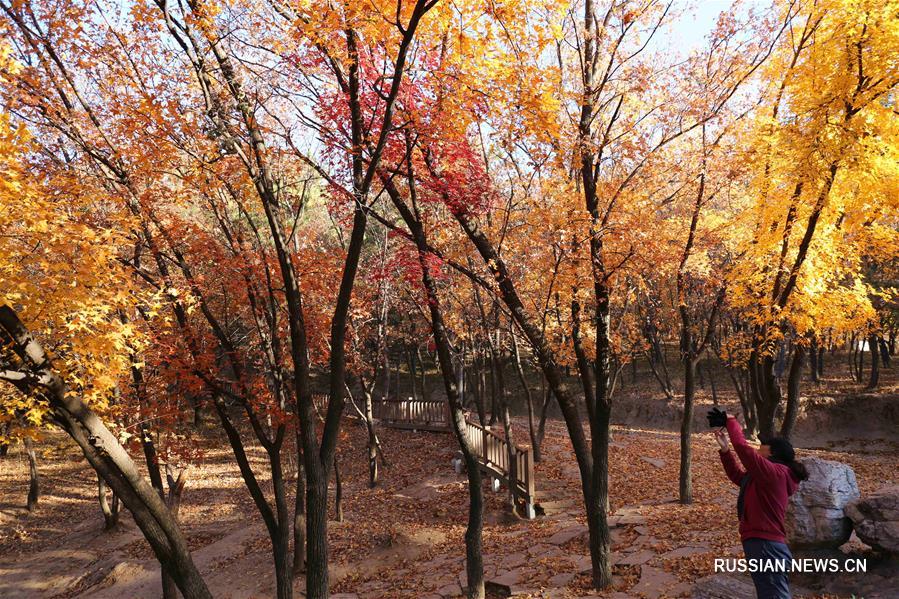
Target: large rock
<point x="815" y="516"/>
<point x="876" y="518"/>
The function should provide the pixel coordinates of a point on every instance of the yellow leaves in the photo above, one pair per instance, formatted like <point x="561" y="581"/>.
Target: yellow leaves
<point x="8" y="65"/>
<point x="61" y="272"/>
<point x="823" y="127"/>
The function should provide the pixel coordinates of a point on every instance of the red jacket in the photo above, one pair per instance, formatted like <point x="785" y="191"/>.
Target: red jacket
<point x="770" y="486"/>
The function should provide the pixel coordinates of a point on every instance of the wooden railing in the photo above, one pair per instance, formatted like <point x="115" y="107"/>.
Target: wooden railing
<point x="492" y="453"/>
<point x="414" y="414"/>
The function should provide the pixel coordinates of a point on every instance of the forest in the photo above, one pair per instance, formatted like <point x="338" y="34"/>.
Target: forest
<point x="430" y="298"/>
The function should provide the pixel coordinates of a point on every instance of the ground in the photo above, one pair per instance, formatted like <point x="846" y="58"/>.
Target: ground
<point x="404" y="538"/>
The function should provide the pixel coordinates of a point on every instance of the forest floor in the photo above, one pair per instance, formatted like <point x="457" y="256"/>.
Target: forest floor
<point x="405" y="538"/>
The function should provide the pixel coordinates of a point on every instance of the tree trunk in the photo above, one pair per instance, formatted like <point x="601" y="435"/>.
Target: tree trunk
<point x="813" y="361"/>
<point x="372" y="443"/>
<point x="110" y="511"/>
<point x="494" y="388"/>
<point x="281" y="536"/>
<point x="742" y="385"/>
<point x="686" y="430"/>
<point x="875" y="362"/>
<point x="861" y="359"/>
<point x="529" y="398"/>
<point x="423" y="372"/>
<point x="600" y="540"/>
<point x="4" y="438"/>
<point x="541" y="426"/>
<point x="173" y="502"/>
<point x="299" y="518"/>
<point x="482" y="389"/>
<point x="794" y="380"/>
<point x="413" y="378"/>
<point x="596" y="497"/>
<point x="820" y="362"/>
<point x="34" y="483"/>
<point x="766" y="392"/>
<point x="316" y="540"/>
<point x="709" y="375"/>
<point x="338" y="493"/>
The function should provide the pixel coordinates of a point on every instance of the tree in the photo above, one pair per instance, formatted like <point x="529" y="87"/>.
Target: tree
<point x="824" y="131"/>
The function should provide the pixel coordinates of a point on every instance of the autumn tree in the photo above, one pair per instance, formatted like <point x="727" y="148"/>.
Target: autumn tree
<point x="820" y="185"/>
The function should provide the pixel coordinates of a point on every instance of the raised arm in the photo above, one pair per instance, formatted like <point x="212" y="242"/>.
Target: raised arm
<point x="754" y="463"/>
<point x="731" y="467"/>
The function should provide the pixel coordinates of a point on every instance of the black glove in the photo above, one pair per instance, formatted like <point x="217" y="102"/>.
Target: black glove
<point x="717" y="418"/>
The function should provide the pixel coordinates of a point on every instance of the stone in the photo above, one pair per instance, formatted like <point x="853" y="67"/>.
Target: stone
<point x="681" y="589"/>
<point x="876" y="518"/>
<point x="561" y="580"/>
<point x="565" y="535"/>
<point x="684" y="552"/>
<point x="628" y="516"/>
<point x="582" y="563"/>
<point x="514" y="560"/>
<point x="450" y="590"/>
<point x="653" y="582"/>
<point x="815" y="513"/>
<point x="508" y="579"/>
<point x="543" y="550"/>
<point x="637" y="558"/>
<point x="721" y="586"/>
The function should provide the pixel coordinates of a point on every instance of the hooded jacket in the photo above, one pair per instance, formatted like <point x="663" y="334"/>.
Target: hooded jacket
<point x="766" y="491"/>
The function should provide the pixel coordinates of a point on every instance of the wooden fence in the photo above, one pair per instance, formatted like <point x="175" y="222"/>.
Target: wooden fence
<point x="413" y="414"/>
<point x="492" y="453"/>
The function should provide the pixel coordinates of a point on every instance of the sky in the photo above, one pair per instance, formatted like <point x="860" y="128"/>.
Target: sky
<point x="699" y="20"/>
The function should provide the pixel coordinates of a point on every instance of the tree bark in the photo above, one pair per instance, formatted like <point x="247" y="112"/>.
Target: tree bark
<point x="338" y="493"/>
<point x="299" y="518"/>
<point x="109" y="510"/>
<point x="423" y="371"/>
<point x="529" y="399"/>
<point x="813" y="361"/>
<point x="34" y="481"/>
<point x="874" y="347"/>
<point x="794" y="381"/>
<point x="685" y="479"/>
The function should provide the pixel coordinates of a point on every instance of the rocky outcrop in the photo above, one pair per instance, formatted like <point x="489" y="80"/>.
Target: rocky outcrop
<point x="876" y="518"/>
<point x="815" y="514"/>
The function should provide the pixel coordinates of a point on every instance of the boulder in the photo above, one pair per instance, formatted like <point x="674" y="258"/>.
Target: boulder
<point x="876" y="518"/>
<point x="815" y="514"/>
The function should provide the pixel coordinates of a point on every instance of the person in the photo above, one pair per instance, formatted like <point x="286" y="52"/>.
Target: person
<point x="767" y="478"/>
